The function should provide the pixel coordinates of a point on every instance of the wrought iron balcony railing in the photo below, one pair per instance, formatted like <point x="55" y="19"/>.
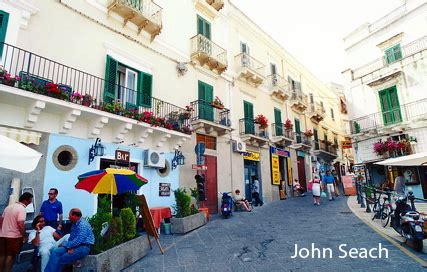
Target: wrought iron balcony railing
<point x="299" y="96"/>
<point x="279" y="129"/>
<point x="208" y="52"/>
<point x="316" y="108"/>
<point x="243" y="60"/>
<point x="40" y="75"/>
<point x="303" y="139"/>
<point x="203" y="110"/>
<point x="405" y="113"/>
<point x="325" y="147"/>
<point x="146" y="8"/>
<point x="276" y="81"/>
<point x="249" y="127"/>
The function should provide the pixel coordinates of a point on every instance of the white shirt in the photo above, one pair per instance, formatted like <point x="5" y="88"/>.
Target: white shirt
<point x="46" y="236"/>
<point x="256" y="186"/>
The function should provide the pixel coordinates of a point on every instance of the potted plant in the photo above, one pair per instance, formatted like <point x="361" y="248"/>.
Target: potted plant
<point x="380" y="148"/>
<point x="76" y="97"/>
<point x="185" y="219"/>
<point x="262" y="121"/>
<point x="217" y="103"/>
<point x="288" y="124"/>
<point x="87" y="100"/>
<point x="308" y="133"/>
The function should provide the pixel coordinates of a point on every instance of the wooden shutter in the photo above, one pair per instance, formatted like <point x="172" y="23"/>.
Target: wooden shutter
<point x="277" y="116"/>
<point x="203" y="27"/>
<point x="316" y="139"/>
<point x="4" y="18"/>
<point x="145" y="83"/>
<point x="298" y="130"/>
<point x="209" y="99"/>
<point x="200" y="24"/>
<point x="110" y="80"/>
<point x="248" y="109"/>
<point x="207" y="30"/>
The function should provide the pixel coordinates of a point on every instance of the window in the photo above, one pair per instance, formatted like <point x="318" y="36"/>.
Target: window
<point x="203" y="27"/>
<point x="248" y="110"/>
<point x="311" y="98"/>
<point x="298" y="130"/>
<point x="209" y="141"/>
<point x="390" y="106"/>
<point x="316" y="139"/>
<point x="278" y="122"/>
<point x="294" y="84"/>
<point x="206" y="111"/>
<point x="4" y="18"/>
<point x="332" y="114"/>
<point x="131" y="86"/>
<point x="273" y="68"/>
<point x="393" y="54"/>
<point x="65" y="158"/>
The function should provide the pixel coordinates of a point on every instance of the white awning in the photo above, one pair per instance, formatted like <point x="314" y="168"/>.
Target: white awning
<point x="418" y="159"/>
<point x="16" y="156"/>
<point x="21" y="135"/>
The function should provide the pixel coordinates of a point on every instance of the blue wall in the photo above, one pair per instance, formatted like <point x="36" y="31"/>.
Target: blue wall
<point x="66" y="180"/>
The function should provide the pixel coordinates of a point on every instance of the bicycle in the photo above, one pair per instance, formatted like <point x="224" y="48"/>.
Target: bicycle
<point x="377" y="208"/>
<point x="386" y="212"/>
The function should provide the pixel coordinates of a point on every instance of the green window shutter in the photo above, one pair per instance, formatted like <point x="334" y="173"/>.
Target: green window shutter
<point x="110" y="80"/>
<point x="390" y="106"/>
<point x="206" y="111"/>
<point x="316" y="139"/>
<point x="248" y="109"/>
<point x="298" y="130"/>
<point x="145" y="83"/>
<point x="397" y="52"/>
<point x="4" y="18"/>
<point x="200" y="24"/>
<point x="207" y="30"/>
<point x="393" y="54"/>
<point x="277" y="116"/>
<point x="203" y="27"/>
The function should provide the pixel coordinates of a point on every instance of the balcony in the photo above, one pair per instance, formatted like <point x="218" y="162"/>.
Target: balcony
<point x="216" y="4"/>
<point x="249" y="69"/>
<point x="406" y="116"/>
<point x="299" y="101"/>
<point x="207" y="53"/>
<point x="325" y="150"/>
<point x="381" y="67"/>
<point x="279" y="87"/>
<point x="281" y="135"/>
<point x="208" y="119"/>
<point x="303" y="142"/>
<point x="145" y="14"/>
<point x="316" y="112"/>
<point x="251" y="133"/>
<point x="65" y="95"/>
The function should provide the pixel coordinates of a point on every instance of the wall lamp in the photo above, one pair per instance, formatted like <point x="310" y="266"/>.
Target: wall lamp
<point x="178" y="159"/>
<point x="96" y="150"/>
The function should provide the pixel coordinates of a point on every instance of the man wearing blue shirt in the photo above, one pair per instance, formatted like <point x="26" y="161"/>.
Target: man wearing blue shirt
<point x="51" y="209"/>
<point x="328" y="180"/>
<point x="78" y="245"/>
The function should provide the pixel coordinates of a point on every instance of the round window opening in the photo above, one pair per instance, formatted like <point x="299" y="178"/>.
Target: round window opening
<point x="65" y="158"/>
<point x="164" y="172"/>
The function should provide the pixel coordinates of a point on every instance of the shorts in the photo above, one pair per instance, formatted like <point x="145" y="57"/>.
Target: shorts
<point x="10" y="246"/>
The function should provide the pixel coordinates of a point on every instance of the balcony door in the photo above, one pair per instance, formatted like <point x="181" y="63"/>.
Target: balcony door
<point x="390" y="106"/>
<point x="273" y="70"/>
<point x="298" y="130"/>
<point x="4" y="18"/>
<point x="248" y="109"/>
<point x="204" y="29"/>
<point x="316" y="139"/>
<point x="244" y="48"/>
<point x="205" y="98"/>
<point x="278" y="121"/>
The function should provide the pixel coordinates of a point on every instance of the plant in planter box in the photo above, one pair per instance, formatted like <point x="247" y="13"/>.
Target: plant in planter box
<point x="186" y="130"/>
<point x="76" y="97"/>
<point x="183" y="199"/>
<point x="88" y="100"/>
<point x="308" y="133"/>
<point x="288" y="124"/>
<point x="129" y="223"/>
<point x="380" y="148"/>
<point x="262" y="121"/>
<point x="217" y="103"/>
<point x="116" y="108"/>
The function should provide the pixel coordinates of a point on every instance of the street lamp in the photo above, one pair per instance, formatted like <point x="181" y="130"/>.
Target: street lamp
<point x="178" y="159"/>
<point x="96" y="150"/>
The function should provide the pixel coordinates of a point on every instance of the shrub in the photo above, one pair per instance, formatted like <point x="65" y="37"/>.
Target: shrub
<point x="116" y="231"/>
<point x="101" y="243"/>
<point x="129" y="223"/>
<point x="183" y="200"/>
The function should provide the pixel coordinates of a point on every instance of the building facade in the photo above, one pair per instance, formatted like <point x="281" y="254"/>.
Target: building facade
<point x="386" y="95"/>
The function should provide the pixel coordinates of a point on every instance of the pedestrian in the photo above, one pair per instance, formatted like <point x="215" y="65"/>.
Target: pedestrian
<point x="298" y="188"/>
<point x="255" y="192"/>
<point x="316" y="189"/>
<point x="12" y="231"/>
<point x="51" y="210"/>
<point x="78" y="245"/>
<point x="334" y="174"/>
<point x="241" y="201"/>
<point x="399" y="183"/>
<point x="328" y="180"/>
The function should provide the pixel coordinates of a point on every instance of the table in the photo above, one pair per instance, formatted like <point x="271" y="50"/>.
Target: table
<point x="159" y="213"/>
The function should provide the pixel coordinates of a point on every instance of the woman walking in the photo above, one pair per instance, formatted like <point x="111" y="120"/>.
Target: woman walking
<point x="317" y="188"/>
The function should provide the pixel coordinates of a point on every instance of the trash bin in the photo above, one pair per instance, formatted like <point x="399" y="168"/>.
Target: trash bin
<point x="167" y="228"/>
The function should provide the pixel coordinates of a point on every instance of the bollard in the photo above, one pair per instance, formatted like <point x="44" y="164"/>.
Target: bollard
<point x="358" y="192"/>
<point x="368" y="207"/>
<point x="362" y="202"/>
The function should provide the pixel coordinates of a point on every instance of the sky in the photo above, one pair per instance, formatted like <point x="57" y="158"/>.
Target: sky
<point x="313" y="30"/>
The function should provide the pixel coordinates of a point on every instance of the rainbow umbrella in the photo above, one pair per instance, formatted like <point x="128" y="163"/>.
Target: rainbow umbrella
<point x="110" y="181"/>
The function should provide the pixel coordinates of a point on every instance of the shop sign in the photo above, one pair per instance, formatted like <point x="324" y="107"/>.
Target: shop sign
<point x="122" y="156"/>
<point x="279" y="152"/>
<point x="300" y="154"/>
<point x="346" y="144"/>
<point x="275" y="169"/>
<point x="164" y="189"/>
<point x="199" y="167"/>
<point x="289" y="172"/>
<point x="252" y="156"/>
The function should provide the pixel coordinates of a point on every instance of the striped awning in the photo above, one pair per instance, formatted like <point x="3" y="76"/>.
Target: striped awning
<point x="21" y="135"/>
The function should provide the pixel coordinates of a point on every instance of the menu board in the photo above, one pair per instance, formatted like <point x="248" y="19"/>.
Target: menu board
<point x="164" y="189"/>
<point x="359" y="173"/>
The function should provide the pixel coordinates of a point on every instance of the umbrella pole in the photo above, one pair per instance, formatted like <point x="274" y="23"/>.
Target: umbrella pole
<point x="111" y="198"/>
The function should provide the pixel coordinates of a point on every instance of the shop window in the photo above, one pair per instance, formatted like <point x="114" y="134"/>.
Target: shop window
<point x="209" y="141"/>
<point x="65" y="158"/>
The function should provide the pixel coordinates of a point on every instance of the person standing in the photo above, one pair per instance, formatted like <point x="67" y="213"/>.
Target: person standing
<point x="328" y="180"/>
<point x="51" y="210"/>
<point x="334" y="174"/>
<point x="399" y="183"/>
<point x="316" y="189"/>
<point x="78" y="245"/>
<point x="255" y="192"/>
<point x="12" y="231"/>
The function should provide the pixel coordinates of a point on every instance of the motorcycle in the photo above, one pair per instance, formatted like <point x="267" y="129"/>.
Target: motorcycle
<point x="408" y="222"/>
<point x="226" y="205"/>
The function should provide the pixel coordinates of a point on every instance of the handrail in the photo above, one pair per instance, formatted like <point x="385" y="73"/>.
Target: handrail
<point x="203" y="110"/>
<point x="276" y="80"/>
<point x="200" y="43"/>
<point x="244" y="60"/>
<point x="248" y="126"/>
<point x="147" y="8"/>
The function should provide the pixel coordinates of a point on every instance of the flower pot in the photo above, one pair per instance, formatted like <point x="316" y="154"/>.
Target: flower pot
<point x="221" y="107"/>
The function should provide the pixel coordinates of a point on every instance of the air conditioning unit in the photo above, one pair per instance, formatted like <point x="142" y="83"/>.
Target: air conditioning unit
<point x="154" y="158"/>
<point x="239" y="146"/>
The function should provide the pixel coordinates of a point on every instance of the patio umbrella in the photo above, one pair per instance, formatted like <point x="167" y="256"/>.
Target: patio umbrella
<point x="16" y="156"/>
<point x="418" y="159"/>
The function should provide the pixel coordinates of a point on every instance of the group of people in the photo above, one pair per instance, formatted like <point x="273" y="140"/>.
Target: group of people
<point x="48" y="238"/>
<point x="317" y="187"/>
<point x="241" y="202"/>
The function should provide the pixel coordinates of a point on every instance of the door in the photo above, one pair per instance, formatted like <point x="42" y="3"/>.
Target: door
<point x="298" y="130"/>
<point x="249" y="117"/>
<point x="211" y="185"/>
<point x="251" y="169"/>
<point x="301" y="172"/>
<point x="4" y="18"/>
<point x="205" y="98"/>
<point x="204" y="29"/>
<point x="278" y="122"/>
<point x="316" y="139"/>
<point x="244" y="48"/>
<point x="390" y="106"/>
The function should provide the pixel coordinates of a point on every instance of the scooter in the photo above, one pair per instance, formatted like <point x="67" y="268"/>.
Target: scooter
<point x="226" y="205"/>
<point x="408" y="222"/>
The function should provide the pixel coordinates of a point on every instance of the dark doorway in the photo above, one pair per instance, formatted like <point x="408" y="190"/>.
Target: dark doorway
<point x="211" y="184"/>
<point x="301" y="172"/>
<point x="251" y="169"/>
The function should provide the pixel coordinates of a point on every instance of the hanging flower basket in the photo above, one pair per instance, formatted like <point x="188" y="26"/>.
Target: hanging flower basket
<point x="262" y="121"/>
<point x="217" y="103"/>
<point x="308" y="133"/>
<point x="288" y="125"/>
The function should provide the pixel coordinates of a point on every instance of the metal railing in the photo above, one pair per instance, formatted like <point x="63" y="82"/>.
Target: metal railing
<point x="248" y="126"/>
<point x="316" y="108"/>
<point x="299" y="96"/>
<point x="276" y="81"/>
<point x="326" y="147"/>
<point x="44" y="76"/>
<point x="279" y="129"/>
<point x="404" y="113"/>
<point x="146" y="8"/>
<point x="243" y="60"/>
<point x="303" y="139"/>
<point x="201" y="44"/>
<point x="407" y="51"/>
<point x="205" y="111"/>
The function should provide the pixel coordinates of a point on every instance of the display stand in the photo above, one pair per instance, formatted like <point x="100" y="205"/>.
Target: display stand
<point x="148" y="221"/>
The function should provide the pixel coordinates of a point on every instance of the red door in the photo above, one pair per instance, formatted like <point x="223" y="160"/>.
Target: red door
<point x="211" y="185"/>
<point x="301" y="172"/>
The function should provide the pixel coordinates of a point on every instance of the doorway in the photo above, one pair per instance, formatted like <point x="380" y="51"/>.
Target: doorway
<point x="251" y="169"/>
<point x="211" y="185"/>
<point x="301" y="172"/>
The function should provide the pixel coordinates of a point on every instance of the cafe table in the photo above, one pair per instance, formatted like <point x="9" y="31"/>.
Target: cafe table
<point x="160" y="213"/>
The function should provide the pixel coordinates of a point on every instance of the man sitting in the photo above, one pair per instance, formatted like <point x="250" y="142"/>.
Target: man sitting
<point x="241" y="201"/>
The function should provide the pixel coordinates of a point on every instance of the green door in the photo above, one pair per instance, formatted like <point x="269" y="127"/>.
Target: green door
<point x="390" y="106"/>
<point x="278" y="122"/>
<point x="248" y="109"/>
<point x="205" y="99"/>
<point x="298" y="130"/>
<point x="4" y="18"/>
<point x="316" y="139"/>
<point x="204" y="29"/>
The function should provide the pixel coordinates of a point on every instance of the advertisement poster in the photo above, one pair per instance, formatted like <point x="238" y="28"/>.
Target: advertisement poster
<point x="164" y="189"/>
<point x="275" y="169"/>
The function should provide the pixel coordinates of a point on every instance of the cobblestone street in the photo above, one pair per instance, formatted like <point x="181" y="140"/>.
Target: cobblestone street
<point x="265" y="239"/>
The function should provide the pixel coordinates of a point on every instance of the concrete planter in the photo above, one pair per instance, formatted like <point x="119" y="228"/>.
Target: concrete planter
<point x="189" y="223"/>
<point x="116" y="258"/>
